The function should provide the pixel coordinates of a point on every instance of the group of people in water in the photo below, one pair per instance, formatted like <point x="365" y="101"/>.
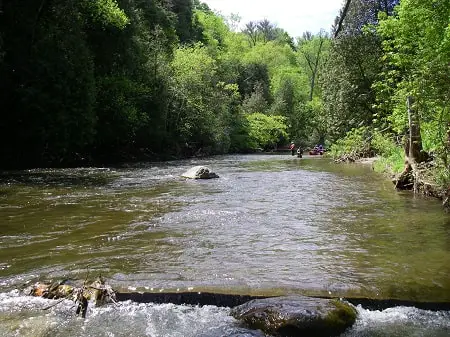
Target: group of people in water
<point x="318" y="149"/>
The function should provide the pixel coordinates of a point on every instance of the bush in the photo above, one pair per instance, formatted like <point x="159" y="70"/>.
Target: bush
<point x="354" y="145"/>
<point x="266" y="131"/>
<point x="392" y="155"/>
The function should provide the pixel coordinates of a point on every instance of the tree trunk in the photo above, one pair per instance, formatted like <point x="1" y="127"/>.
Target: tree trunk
<point x="415" y="140"/>
<point x="341" y="19"/>
<point x="413" y="151"/>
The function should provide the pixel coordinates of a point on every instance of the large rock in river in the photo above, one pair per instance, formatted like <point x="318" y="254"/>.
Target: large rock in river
<point x="199" y="172"/>
<point x="297" y="316"/>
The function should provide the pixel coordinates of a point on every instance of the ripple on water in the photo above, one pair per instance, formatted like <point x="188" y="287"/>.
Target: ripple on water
<point x="268" y="222"/>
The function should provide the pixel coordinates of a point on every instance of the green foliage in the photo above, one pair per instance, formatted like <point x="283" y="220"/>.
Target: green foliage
<point x="312" y="54"/>
<point x="204" y="106"/>
<point x="193" y="80"/>
<point x="215" y="30"/>
<point x="47" y="85"/>
<point x="119" y="114"/>
<point x="266" y="131"/>
<point x="355" y="143"/>
<point x="353" y="66"/>
<point x="272" y="55"/>
<point x="441" y="174"/>
<point x="362" y="142"/>
<point x="106" y="12"/>
<point x="317" y="124"/>
<point x="381" y="57"/>
<point x="256" y="102"/>
<point x="392" y="155"/>
<point x="251" y="76"/>
<point x="186" y="24"/>
<point x="115" y="79"/>
<point x="393" y="164"/>
<point x="416" y="52"/>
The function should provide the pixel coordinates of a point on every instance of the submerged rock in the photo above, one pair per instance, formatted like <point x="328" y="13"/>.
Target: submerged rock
<point x="297" y="316"/>
<point x="199" y="172"/>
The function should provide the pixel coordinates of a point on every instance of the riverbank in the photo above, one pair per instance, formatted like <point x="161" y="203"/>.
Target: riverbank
<point x="426" y="176"/>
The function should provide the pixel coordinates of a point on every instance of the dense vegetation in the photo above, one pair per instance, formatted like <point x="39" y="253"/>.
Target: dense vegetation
<point x="110" y="80"/>
<point x="386" y="52"/>
<point x="86" y="81"/>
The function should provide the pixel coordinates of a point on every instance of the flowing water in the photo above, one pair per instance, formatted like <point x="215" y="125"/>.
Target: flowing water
<point x="270" y="225"/>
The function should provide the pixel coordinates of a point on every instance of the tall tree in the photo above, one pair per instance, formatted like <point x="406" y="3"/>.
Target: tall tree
<point x="353" y="67"/>
<point x="184" y="25"/>
<point x="48" y="85"/>
<point x="251" y="30"/>
<point x="267" y="30"/>
<point x="416" y="52"/>
<point x="311" y="49"/>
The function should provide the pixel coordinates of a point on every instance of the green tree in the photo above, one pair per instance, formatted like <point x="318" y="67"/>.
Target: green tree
<point x="313" y="50"/>
<point x="256" y="101"/>
<point x="416" y="52"/>
<point x="353" y="67"/>
<point x="47" y="83"/>
<point x="266" y="131"/>
<point x="200" y="113"/>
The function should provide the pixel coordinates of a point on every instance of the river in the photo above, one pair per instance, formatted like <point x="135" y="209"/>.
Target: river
<point x="270" y="225"/>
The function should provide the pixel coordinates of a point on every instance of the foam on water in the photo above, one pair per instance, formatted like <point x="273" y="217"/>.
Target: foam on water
<point x="25" y="316"/>
<point x="400" y="322"/>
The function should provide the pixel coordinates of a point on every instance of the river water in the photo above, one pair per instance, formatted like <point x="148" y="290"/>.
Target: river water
<point x="270" y="225"/>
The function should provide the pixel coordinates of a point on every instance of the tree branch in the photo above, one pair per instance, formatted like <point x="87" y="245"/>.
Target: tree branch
<point x="341" y="19"/>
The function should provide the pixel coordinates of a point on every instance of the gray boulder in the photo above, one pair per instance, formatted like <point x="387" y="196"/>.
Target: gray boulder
<point x="199" y="172"/>
<point x="297" y="316"/>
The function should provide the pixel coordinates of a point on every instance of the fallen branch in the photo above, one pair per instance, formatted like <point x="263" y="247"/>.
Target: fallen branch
<point x="97" y="292"/>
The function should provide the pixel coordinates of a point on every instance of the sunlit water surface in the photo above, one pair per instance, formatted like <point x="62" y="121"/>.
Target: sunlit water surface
<point x="271" y="224"/>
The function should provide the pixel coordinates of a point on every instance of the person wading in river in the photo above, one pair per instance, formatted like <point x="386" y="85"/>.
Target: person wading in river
<point x="292" y="148"/>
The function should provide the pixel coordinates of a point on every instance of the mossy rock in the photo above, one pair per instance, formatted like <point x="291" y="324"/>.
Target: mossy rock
<point x="297" y="316"/>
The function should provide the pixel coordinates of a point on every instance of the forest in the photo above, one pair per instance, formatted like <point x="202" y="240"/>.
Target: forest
<point x="107" y="81"/>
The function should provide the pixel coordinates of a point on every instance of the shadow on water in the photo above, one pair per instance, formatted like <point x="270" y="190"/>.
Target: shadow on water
<point x="89" y="177"/>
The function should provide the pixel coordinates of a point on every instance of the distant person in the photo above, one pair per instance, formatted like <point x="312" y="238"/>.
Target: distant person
<point x="299" y="152"/>
<point x="292" y="148"/>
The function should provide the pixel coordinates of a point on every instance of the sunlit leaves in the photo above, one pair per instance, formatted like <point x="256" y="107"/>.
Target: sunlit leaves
<point x="416" y="55"/>
<point x="107" y="12"/>
<point x="266" y="131"/>
<point x="215" y="29"/>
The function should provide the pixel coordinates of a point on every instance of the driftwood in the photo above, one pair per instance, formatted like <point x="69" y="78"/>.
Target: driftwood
<point x="97" y="292"/>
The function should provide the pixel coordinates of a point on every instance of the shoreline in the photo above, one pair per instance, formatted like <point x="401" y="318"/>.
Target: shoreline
<point x="425" y="188"/>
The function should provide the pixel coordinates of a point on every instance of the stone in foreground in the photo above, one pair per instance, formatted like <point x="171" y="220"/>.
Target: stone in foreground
<point x="297" y="316"/>
<point x="199" y="172"/>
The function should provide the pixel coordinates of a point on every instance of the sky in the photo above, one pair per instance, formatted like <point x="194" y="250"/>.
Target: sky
<point x="294" y="16"/>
